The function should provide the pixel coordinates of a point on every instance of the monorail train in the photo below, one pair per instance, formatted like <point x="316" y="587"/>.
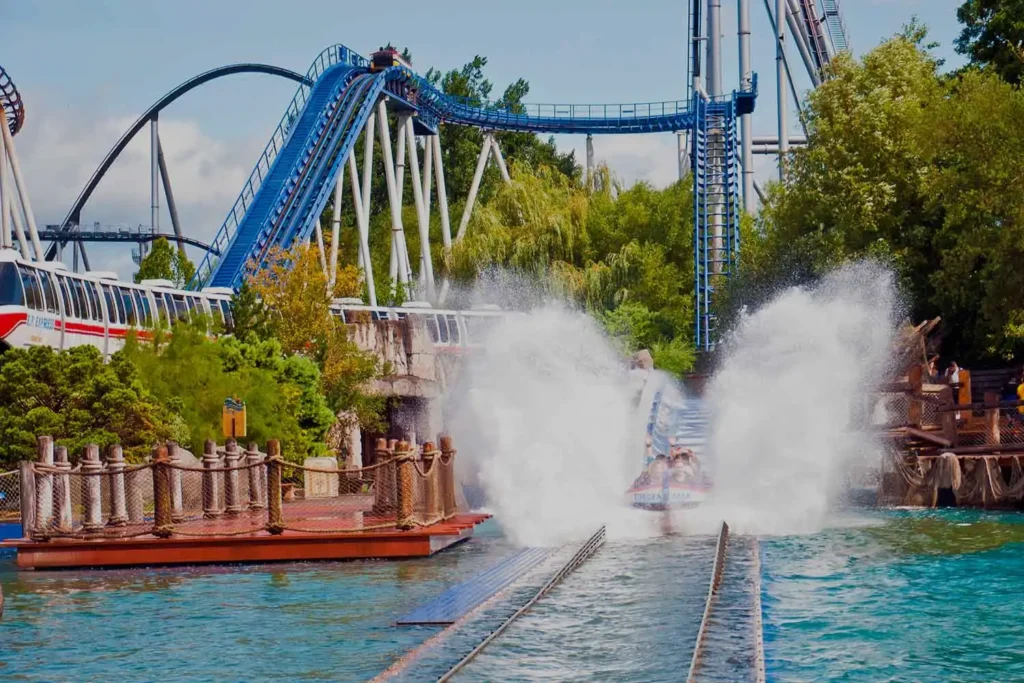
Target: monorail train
<point x="44" y="304"/>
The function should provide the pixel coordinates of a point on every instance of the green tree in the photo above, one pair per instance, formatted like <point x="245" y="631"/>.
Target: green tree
<point x="249" y="314"/>
<point x="993" y="36"/>
<point x="193" y="374"/>
<point x="76" y="398"/>
<point x="166" y="263"/>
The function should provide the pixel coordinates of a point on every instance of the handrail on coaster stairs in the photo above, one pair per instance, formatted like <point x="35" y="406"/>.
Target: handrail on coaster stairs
<point x="294" y="177"/>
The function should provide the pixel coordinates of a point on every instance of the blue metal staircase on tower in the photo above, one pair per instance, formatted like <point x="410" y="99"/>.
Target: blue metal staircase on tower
<point x="716" y="209"/>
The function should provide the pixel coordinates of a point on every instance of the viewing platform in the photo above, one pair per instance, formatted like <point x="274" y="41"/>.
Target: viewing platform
<point x="236" y="506"/>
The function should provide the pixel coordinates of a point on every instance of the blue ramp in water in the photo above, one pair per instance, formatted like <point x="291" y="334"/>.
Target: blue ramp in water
<point x="458" y="600"/>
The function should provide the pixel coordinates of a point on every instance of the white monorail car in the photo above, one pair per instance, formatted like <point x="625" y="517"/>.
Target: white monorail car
<point x="45" y="304"/>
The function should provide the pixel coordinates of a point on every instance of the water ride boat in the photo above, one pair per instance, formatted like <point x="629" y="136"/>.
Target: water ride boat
<point x="672" y="476"/>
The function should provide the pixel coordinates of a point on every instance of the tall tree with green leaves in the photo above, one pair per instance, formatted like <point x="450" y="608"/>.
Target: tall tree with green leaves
<point x="164" y="262"/>
<point x="993" y="36"/>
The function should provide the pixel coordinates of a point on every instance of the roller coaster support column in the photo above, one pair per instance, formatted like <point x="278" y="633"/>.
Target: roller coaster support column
<point x="442" y="193"/>
<point x="590" y="161"/>
<point x="318" y="234"/>
<point x="426" y="267"/>
<point x="172" y="207"/>
<point x="19" y="229"/>
<point x="714" y="48"/>
<point x="793" y="19"/>
<point x="5" y="198"/>
<point x="780" y="73"/>
<point x="154" y="177"/>
<point x="401" y="272"/>
<point x="26" y="205"/>
<point x="501" y="161"/>
<point x="474" y="186"/>
<point x="403" y="245"/>
<point x="746" y="127"/>
<point x="362" y="222"/>
<point x="339" y="188"/>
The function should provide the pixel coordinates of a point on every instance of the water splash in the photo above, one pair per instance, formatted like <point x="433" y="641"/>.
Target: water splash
<point x="543" y="416"/>
<point x="784" y="404"/>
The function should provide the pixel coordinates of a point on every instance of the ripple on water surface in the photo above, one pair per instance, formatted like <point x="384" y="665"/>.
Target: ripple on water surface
<point x="922" y="596"/>
<point x="315" y="621"/>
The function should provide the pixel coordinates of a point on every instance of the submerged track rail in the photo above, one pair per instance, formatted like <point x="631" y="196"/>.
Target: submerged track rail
<point x="716" y="581"/>
<point x="581" y="556"/>
<point x="759" y="673"/>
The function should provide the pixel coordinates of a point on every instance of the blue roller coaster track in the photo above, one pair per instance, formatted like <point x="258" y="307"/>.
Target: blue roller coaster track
<point x="294" y="177"/>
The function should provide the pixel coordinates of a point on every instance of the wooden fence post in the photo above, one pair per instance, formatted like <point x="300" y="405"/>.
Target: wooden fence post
<point x="118" y="502"/>
<point x="27" y="492"/>
<point x="432" y="465"/>
<point x="62" y="490"/>
<point x="275" y="519"/>
<point x="448" y="475"/>
<point x="93" y="494"/>
<point x="44" y="485"/>
<point x="211" y="508"/>
<point x="256" y="494"/>
<point x="232" y="499"/>
<point x="174" y="480"/>
<point x="405" y="460"/>
<point x="992" y="417"/>
<point x="163" y="520"/>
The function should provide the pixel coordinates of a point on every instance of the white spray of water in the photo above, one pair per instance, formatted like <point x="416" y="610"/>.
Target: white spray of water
<point x="542" y="416"/>
<point x="783" y="404"/>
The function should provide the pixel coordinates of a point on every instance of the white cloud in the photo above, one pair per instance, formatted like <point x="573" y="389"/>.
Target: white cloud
<point x="59" y="149"/>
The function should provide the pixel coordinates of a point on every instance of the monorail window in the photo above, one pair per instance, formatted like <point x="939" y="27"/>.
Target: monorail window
<point x="142" y="305"/>
<point x="453" y="328"/>
<point x="81" y="300"/>
<point x="112" y="312"/>
<point x="33" y="292"/>
<point x="94" y="300"/>
<point x="217" y="315"/>
<point x="442" y="329"/>
<point x="161" y="309"/>
<point x="65" y="293"/>
<point x="180" y="306"/>
<point x="11" y="291"/>
<point x="431" y="321"/>
<point x="128" y="306"/>
<point x="229" y="320"/>
<point x="49" y="293"/>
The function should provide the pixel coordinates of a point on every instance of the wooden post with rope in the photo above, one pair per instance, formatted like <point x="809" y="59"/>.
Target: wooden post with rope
<point x="405" y="462"/>
<point x="232" y="491"/>
<point x="431" y="465"/>
<point x="275" y="520"/>
<point x="448" y="477"/>
<point x="211" y="503"/>
<point x="44" y="487"/>
<point x="384" y="480"/>
<point x="118" y="499"/>
<point x="162" y="513"/>
<point x="92" y="466"/>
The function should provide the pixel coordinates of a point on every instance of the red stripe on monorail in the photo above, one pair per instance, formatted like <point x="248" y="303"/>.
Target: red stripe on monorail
<point x="10" y="322"/>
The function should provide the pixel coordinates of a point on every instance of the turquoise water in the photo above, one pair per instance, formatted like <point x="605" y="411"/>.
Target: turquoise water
<point x="898" y="596"/>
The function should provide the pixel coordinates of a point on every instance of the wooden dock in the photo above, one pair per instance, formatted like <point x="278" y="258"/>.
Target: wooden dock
<point x="221" y="548"/>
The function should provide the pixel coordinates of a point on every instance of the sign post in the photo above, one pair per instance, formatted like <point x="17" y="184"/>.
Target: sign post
<point x="233" y="418"/>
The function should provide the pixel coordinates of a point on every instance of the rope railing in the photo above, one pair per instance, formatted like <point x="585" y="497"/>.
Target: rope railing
<point x="716" y="581"/>
<point x="230" y="491"/>
<point x="586" y="551"/>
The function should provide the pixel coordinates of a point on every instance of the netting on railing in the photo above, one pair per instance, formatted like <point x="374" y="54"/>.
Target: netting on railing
<point x="10" y="496"/>
<point x="233" y="492"/>
<point x="94" y="499"/>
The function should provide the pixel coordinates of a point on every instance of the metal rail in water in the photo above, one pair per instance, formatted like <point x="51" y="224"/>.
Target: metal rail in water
<point x="581" y="556"/>
<point x="716" y="581"/>
<point x="759" y="673"/>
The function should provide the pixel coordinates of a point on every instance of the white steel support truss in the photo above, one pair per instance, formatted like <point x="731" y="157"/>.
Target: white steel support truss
<point x="14" y="199"/>
<point x="488" y="148"/>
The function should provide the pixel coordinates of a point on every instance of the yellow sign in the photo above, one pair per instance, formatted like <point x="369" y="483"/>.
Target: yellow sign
<point x="233" y="418"/>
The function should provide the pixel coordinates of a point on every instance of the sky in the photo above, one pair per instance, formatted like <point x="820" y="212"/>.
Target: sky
<point x="88" y="69"/>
